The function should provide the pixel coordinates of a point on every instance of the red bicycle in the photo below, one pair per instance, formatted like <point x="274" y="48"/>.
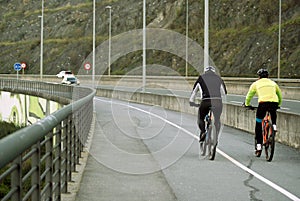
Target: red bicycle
<point x="268" y="134"/>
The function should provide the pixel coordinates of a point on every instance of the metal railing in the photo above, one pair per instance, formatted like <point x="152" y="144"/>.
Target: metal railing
<point x="36" y="162"/>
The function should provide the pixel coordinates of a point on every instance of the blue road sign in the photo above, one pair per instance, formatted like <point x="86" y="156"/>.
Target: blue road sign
<point x="17" y="66"/>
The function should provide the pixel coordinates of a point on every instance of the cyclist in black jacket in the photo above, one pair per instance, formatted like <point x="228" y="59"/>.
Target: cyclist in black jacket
<point x="210" y="86"/>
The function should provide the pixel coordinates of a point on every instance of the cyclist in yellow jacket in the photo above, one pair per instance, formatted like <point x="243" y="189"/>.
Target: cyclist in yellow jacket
<point x="269" y="99"/>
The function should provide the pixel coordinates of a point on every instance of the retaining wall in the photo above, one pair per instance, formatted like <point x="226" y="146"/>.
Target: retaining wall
<point x="233" y="115"/>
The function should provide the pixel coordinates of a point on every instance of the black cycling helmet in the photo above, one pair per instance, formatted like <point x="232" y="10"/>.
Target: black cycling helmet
<point x="209" y="68"/>
<point x="263" y="73"/>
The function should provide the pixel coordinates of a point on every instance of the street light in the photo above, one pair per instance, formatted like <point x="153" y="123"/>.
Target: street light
<point x="206" y="33"/>
<point x="42" y="41"/>
<point x="187" y="36"/>
<point x="279" y="40"/>
<point x="94" y="42"/>
<point x="109" y="40"/>
<point x="144" y="46"/>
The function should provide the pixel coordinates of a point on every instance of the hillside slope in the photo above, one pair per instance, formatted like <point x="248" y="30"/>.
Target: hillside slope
<point x="243" y="37"/>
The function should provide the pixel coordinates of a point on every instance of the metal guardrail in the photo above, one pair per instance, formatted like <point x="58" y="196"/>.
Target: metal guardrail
<point x="36" y="162"/>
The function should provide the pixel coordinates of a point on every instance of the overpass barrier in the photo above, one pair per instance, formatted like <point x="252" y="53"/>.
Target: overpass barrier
<point x="290" y="87"/>
<point x="37" y="162"/>
<point x="233" y="115"/>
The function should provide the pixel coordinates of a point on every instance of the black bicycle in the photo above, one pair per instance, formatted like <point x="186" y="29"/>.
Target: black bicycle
<point x="210" y="142"/>
<point x="268" y="134"/>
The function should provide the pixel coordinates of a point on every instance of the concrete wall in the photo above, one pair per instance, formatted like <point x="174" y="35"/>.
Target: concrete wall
<point x="290" y="87"/>
<point x="233" y="115"/>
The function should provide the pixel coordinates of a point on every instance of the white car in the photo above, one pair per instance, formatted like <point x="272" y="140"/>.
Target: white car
<point x="70" y="80"/>
<point x="62" y="74"/>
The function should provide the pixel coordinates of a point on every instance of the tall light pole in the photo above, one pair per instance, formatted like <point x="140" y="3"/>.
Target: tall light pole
<point x="94" y="42"/>
<point x="42" y="41"/>
<point x="206" y="33"/>
<point x="187" y="36"/>
<point x="109" y="39"/>
<point x="144" y="45"/>
<point x="279" y="40"/>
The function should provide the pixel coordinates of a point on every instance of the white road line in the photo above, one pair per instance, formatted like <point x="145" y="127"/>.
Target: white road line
<point x="159" y="117"/>
<point x="238" y="164"/>
<point x="258" y="176"/>
<point x="238" y="102"/>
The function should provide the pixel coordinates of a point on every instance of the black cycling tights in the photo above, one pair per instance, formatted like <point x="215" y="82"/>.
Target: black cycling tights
<point x="217" y="108"/>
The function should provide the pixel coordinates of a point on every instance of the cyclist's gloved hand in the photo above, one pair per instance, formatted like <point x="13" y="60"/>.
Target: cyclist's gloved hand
<point x="248" y="106"/>
<point x="192" y="104"/>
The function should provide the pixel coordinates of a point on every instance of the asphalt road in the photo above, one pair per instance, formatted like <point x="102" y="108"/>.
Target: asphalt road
<point x="141" y="152"/>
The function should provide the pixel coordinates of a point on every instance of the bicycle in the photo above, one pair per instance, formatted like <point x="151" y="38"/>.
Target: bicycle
<point x="268" y="134"/>
<point x="210" y="141"/>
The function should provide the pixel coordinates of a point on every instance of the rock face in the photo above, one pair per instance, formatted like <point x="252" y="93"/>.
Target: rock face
<point x="243" y="34"/>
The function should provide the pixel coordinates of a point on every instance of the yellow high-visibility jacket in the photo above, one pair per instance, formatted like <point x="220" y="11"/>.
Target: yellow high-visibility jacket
<point x="266" y="90"/>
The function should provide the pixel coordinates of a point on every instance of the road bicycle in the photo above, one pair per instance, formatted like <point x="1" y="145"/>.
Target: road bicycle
<point x="210" y="142"/>
<point x="268" y="134"/>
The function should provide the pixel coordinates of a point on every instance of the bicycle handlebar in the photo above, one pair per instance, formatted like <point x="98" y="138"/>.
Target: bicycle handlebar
<point x="192" y="104"/>
<point x="250" y="107"/>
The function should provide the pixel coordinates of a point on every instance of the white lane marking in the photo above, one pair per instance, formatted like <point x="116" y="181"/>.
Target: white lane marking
<point x="159" y="117"/>
<point x="285" y="108"/>
<point x="258" y="176"/>
<point x="238" y="102"/>
<point x="238" y="164"/>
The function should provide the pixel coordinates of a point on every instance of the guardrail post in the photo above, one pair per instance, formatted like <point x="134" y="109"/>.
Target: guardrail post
<point x="49" y="165"/>
<point x="69" y="148"/>
<point x="35" y="178"/>
<point x="58" y="163"/>
<point x="16" y="179"/>
<point x="73" y="144"/>
<point x="64" y="156"/>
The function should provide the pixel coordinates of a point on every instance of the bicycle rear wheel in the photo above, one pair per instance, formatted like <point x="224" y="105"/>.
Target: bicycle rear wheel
<point x="202" y="146"/>
<point x="212" y="142"/>
<point x="270" y="143"/>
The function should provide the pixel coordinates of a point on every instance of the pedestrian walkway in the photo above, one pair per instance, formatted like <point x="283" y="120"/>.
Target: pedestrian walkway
<point x="100" y="182"/>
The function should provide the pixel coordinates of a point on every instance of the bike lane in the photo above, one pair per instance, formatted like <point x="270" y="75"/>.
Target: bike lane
<point x="111" y="176"/>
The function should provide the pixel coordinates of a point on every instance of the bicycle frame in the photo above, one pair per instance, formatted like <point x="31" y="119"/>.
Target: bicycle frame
<point x="265" y="126"/>
<point x="208" y="119"/>
<point x="268" y="135"/>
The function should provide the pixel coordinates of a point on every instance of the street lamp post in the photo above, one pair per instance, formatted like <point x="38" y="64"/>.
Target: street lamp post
<point x="279" y="40"/>
<point x="144" y="45"/>
<point x="94" y="42"/>
<point x="206" y="33"/>
<point x="109" y="40"/>
<point x="42" y="41"/>
<point x="187" y="36"/>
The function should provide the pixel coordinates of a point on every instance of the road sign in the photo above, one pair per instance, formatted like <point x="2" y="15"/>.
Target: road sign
<point x="87" y="66"/>
<point x="23" y="65"/>
<point x="17" y="66"/>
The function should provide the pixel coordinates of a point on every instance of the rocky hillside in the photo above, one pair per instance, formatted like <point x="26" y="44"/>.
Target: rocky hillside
<point x="243" y="34"/>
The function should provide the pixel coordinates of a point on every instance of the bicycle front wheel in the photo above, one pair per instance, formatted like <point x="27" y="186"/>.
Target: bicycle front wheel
<point x="270" y="143"/>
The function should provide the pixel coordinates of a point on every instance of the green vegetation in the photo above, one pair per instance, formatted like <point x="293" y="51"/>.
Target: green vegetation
<point x="243" y="38"/>
<point x="8" y="128"/>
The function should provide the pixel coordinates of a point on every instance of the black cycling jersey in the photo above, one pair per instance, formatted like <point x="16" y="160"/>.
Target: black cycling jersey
<point x="210" y="84"/>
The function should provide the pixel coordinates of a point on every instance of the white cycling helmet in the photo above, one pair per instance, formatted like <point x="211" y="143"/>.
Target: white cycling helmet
<point x="209" y="68"/>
